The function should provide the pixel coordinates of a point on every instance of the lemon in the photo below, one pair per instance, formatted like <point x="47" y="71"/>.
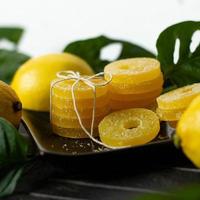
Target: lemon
<point x="188" y="130"/>
<point x="10" y="104"/>
<point x="32" y="80"/>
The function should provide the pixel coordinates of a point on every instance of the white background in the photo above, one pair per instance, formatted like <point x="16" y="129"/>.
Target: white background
<point x="51" y="24"/>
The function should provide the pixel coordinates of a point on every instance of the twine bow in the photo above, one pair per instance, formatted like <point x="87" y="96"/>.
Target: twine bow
<point x="67" y="75"/>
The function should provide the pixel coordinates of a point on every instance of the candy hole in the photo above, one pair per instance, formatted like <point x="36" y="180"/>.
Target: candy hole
<point x="111" y="52"/>
<point x="131" y="124"/>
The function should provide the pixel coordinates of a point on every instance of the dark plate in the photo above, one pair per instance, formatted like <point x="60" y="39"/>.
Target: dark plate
<point x="38" y="125"/>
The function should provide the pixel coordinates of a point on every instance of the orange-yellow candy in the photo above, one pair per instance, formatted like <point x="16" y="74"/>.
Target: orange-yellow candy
<point x="169" y="115"/>
<point x="81" y="90"/>
<point x="129" y="127"/>
<point x="63" y="117"/>
<point x="84" y="113"/>
<point x="134" y="97"/>
<point x="82" y="104"/>
<point x="133" y="70"/>
<point x="132" y="88"/>
<point x="65" y="122"/>
<point x="179" y="98"/>
<point x="71" y="132"/>
<point x="119" y="105"/>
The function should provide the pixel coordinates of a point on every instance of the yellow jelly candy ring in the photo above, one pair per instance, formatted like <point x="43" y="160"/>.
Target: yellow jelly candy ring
<point x="133" y="70"/>
<point x="131" y="88"/>
<point x="119" y="105"/>
<point x="71" y="132"/>
<point x="65" y="122"/>
<point x="169" y="115"/>
<point x="129" y="127"/>
<point x="63" y="103"/>
<point x="179" y="98"/>
<point x="132" y="97"/>
<point x="81" y="91"/>
<point x="84" y="113"/>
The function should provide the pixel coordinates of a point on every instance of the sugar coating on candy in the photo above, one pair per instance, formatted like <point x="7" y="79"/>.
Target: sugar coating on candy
<point x="136" y="82"/>
<point x="146" y="86"/>
<point x="169" y="115"/>
<point x="65" y="111"/>
<point x="133" y="70"/>
<point x="82" y="103"/>
<point x="132" y="66"/>
<point x="135" y="96"/>
<point x="81" y="90"/>
<point x="179" y="98"/>
<point x="70" y="132"/>
<point x="129" y="127"/>
<point x="66" y="122"/>
<point x="85" y="113"/>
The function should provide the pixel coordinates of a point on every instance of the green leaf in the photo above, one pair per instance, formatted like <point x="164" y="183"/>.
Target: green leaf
<point x="9" y="63"/>
<point x="187" y="69"/>
<point x="13" y="147"/>
<point x="12" y="34"/>
<point x="9" y="181"/>
<point x="90" y="50"/>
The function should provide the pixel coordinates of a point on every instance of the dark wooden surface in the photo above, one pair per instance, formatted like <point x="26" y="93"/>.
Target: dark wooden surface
<point x="115" y="176"/>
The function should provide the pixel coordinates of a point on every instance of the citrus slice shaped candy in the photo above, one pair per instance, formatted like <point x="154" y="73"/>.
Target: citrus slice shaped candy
<point x="130" y="88"/>
<point x="65" y="122"/>
<point x="133" y="70"/>
<point x="63" y="103"/>
<point x="72" y="132"/>
<point x="129" y="127"/>
<point x="132" y="97"/>
<point x="119" y="105"/>
<point x="81" y="90"/>
<point x="169" y="115"/>
<point x="84" y="113"/>
<point x="179" y="98"/>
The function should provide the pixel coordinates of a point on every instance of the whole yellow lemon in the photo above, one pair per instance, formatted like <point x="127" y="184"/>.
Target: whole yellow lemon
<point x="10" y="104"/>
<point x="32" y="80"/>
<point x="188" y="130"/>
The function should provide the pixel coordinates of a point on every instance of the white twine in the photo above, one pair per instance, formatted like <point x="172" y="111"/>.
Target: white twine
<point x="67" y="75"/>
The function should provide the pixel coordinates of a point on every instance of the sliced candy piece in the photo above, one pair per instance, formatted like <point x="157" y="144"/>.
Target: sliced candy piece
<point x="82" y="104"/>
<point x="130" y="127"/>
<point x="84" y="113"/>
<point x="119" y="105"/>
<point x="65" y="122"/>
<point x="132" y="88"/>
<point x="179" y="98"/>
<point x="81" y="91"/>
<point x="169" y="115"/>
<point x="72" y="132"/>
<point x="133" y="97"/>
<point x="133" y="70"/>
